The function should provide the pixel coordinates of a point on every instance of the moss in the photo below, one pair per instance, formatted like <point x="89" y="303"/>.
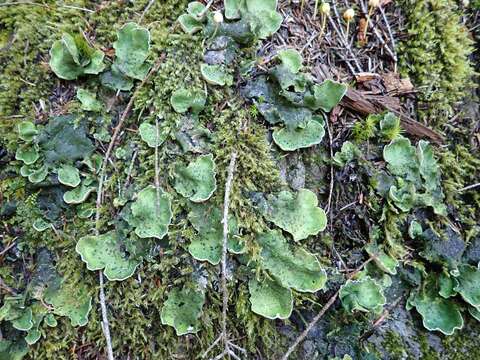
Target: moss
<point x="436" y="56"/>
<point x="394" y="345"/>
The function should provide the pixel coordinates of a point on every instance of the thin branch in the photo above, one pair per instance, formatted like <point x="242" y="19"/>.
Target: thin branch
<point x="322" y="312"/>
<point x="157" y="168"/>
<point x="226" y="205"/>
<point x="4" y="251"/>
<point x="149" y="5"/>
<point x="105" y="323"/>
<point x="228" y="346"/>
<point x="103" y="169"/>
<point x="469" y="187"/>
<point x="330" y="190"/>
<point x="6" y="287"/>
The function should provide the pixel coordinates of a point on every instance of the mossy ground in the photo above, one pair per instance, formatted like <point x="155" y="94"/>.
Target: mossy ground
<point x="30" y="91"/>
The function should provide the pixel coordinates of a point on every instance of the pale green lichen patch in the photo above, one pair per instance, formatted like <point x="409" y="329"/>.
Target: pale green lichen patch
<point x="206" y="245"/>
<point x="193" y="20"/>
<point x="105" y="252"/>
<point x="216" y="75"/>
<point x="418" y="181"/>
<point x="362" y="295"/>
<point x="27" y="130"/>
<point x="69" y="175"/>
<point x="151" y="213"/>
<point x="326" y="95"/>
<point x="438" y="314"/>
<point x="88" y="100"/>
<point x="384" y="261"/>
<point x="296" y="213"/>
<point x="293" y="268"/>
<point x="72" y="301"/>
<point x="72" y="57"/>
<point x="292" y="59"/>
<point x="262" y="16"/>
<point x="80" y="193"/>
<point x="131" y="51"/>
<point x="269" y="299"/>
<point x="27" y="155"/>
<point x="151" y="135"/>
<point x="183" y="100"/>
<point x="298" y="138"/>
<point x="468" y="284"/>
<point x="197" y="180"/>
<point x="182" y="310"/>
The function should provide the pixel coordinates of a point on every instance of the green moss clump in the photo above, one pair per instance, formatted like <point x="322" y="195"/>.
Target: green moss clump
<point x="435" y="55"/>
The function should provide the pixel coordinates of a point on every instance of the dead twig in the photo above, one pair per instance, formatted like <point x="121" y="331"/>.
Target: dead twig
<point x="322" y="312"/>
<point x="469" y="187"/>
<point x="7" y="288"/>
<point x="228" y="346"/>
<point x="103" y="169"/>
<point x="330" y="190"/>
<point x="149" y="5"/>
<point x="4" y="251"/>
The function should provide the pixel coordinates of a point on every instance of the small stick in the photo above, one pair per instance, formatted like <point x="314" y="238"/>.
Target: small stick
<point x="157" y="167"/>
<point x="223" y="337"/>
<point x="4" y="251"/>
<point x="6" y="287"/>
<point x="103" y="169"/>
<point x="330" y="191"/>
<point x="149" y="5"/>
<point x="469" y="187"/>
<point x="322" y="312"/>
<point x="226" y="205"/>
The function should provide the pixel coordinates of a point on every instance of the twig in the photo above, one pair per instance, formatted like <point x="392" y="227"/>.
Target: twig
<point x="380" y="320"/>
<point x="105" y="323"/>
<point x="223" y="337"/>
<point x="130" y="169"/>
<point x="345" y="43"/>
<point x="377" y="34"/>
<point x="204" y="11"/>
<point x="330" y="190"/>
<point x="6" y="287"/>
<point x="322" y="312"/>
<point x="390" y="32"/>
<point x="77" y="8"/>
<point x="157" y="168"/>
<point x="226" y="205"/>
<point x="103" y="168"/>
<point x="4" y="251"/>
<point x="149" y="5"/>
<point x="469" y="187"/>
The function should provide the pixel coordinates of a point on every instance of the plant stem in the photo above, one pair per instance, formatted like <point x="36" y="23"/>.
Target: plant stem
<point x="370" y="12"/>
<point x="322" y="29"/>
<point x="348" y="31"/>
<point x="315" y="10"/>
